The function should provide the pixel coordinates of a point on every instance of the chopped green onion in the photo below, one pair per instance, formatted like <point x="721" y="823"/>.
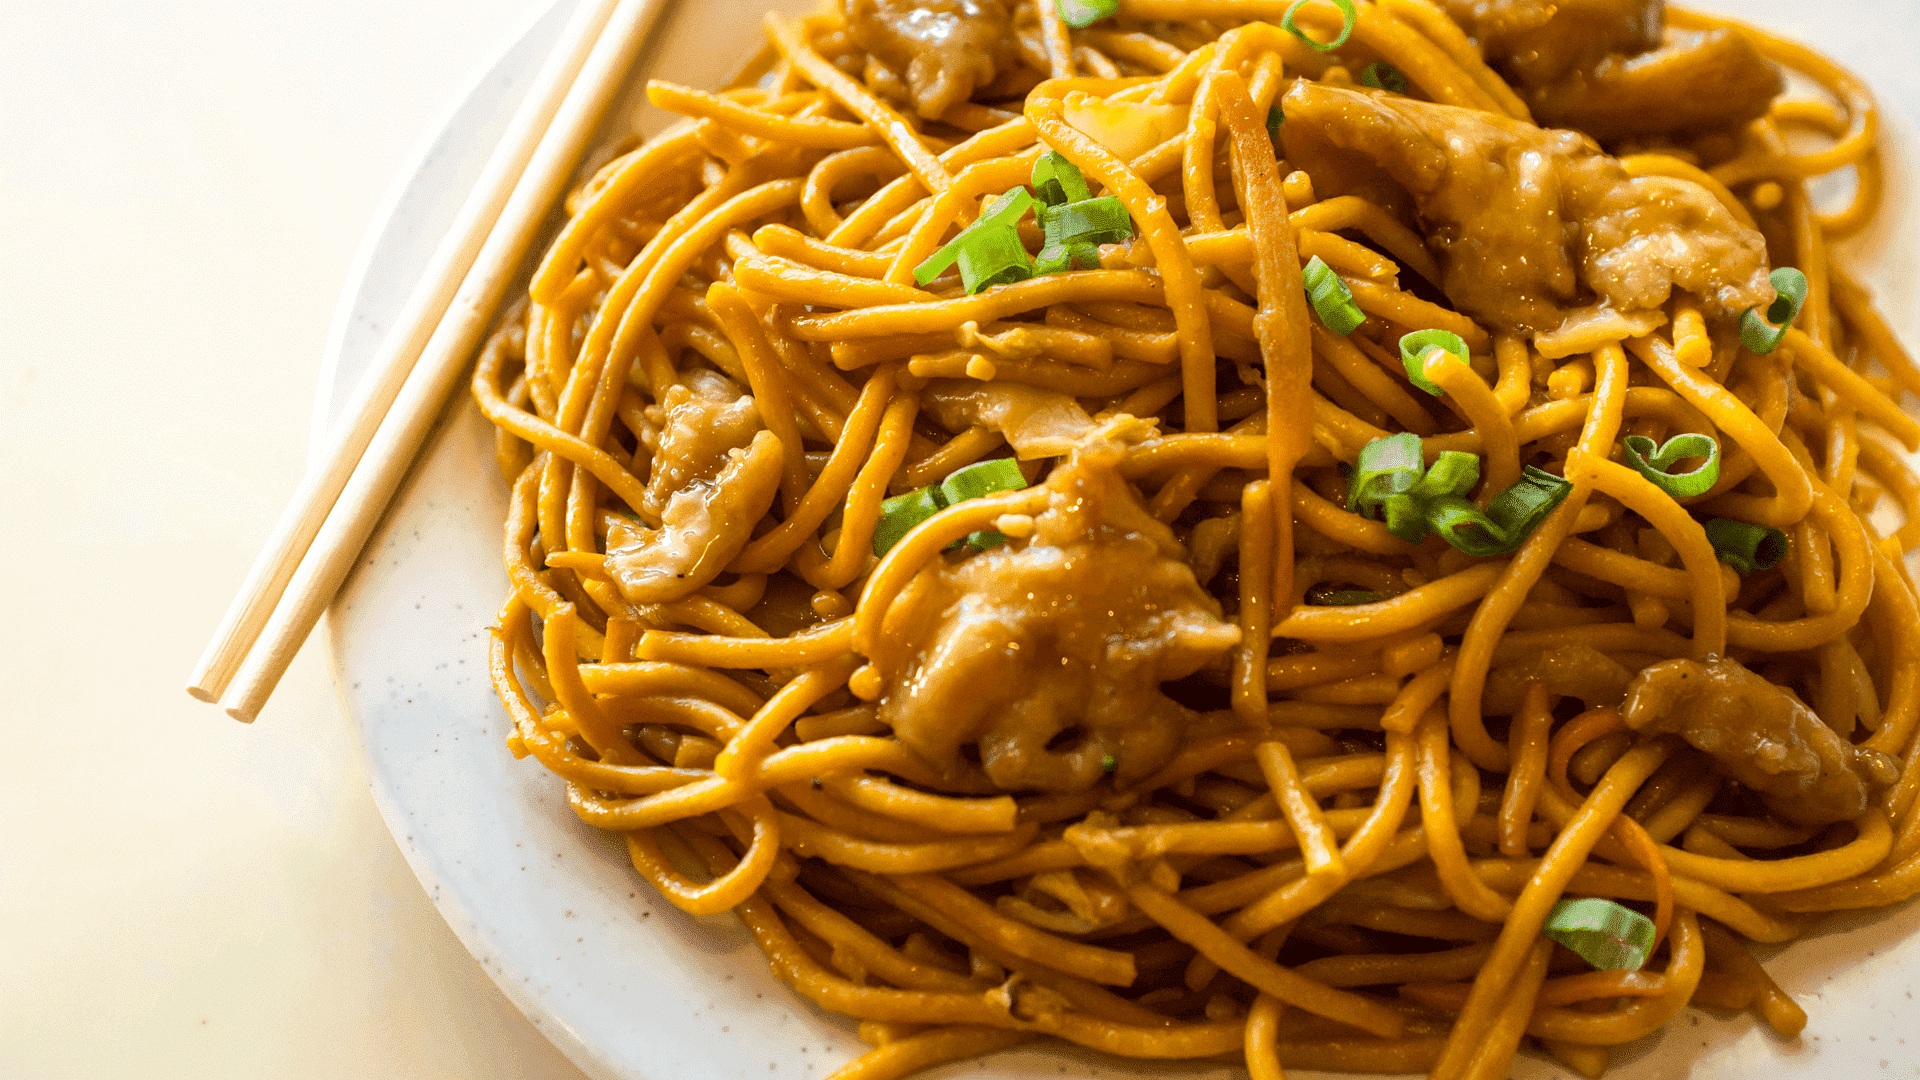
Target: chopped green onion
<point x="1090" y="221"/>
<point x="1054" y="259"/>
<point x="1745" y="546"/>
<point x="1610" y="936"/>
<point x="1108" y="764"/>
<point x="1386" y="467"/>
<point x="1346" y="30"/>
<point x="985" y="539"/>
<point x="1389" y="483"/>
<point x="901" y="514"/>
<point x="1332" y="300"/>
<point x="1408" y="515"/>
<point x="1653" y="464"/>
<point x="1081" y="14"/>
<point x="985" y="237"/>
<point x="1762" y="335"/>
<point x="995" y="257"/>
<point x="1275" y="118"/>
<point x="1508" y="519"/>
<point x="980" y="480"/>
<point x="1417" y="347"/>
<point x="1321" y="596"/>
<point x="1058" y="180"/>
<point x="1520" y="509"/>
<point x="1384" y="76"/>
<point x="1454" y="472"/>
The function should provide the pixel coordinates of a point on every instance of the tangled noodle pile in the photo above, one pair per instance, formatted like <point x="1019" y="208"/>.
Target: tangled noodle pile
<point x="1194" y="533"/>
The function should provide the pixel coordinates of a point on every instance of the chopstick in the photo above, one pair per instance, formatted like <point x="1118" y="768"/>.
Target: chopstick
<point x="320" y="534"/>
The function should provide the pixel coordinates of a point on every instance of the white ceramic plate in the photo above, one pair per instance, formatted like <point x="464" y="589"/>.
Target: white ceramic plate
<point x="632" y="989"/>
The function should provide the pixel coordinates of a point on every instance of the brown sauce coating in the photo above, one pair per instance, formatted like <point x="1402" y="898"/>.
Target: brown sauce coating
<point x="1049" y="655"/>
<point x="1762" y="736"/>
<point x="1577" y="671"/>
<point x="1533" y="226"/>
<point x="1612" y="69"/>
<point x="944" y="49"/>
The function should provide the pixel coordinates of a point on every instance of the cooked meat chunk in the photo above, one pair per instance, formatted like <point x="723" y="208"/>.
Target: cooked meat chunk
<point x="1533" y="225"/>
<point x="1539" y="42"/>
<point x="945" y="49"/>
<point x="715" y="474"/>
<point x="1037" y="423"/>
<point x="1049" y="655"/>
<point x="1761" y="735"/>
<point x="1695" y="81"/>
<point x="1610" y="68"/>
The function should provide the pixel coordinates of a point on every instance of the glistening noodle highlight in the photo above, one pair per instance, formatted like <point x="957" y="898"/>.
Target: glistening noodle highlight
<point x="1330" y="535"/>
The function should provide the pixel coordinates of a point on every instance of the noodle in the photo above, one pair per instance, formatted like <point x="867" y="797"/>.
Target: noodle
<point x="1123" y="749"/>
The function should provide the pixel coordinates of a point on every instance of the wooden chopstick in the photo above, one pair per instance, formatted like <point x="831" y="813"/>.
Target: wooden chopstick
<point x="376" y="391"/>
<point x="320" y="536"/>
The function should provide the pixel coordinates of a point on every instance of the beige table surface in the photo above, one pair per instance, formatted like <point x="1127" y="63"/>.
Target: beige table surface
<point x="182" y="187"/>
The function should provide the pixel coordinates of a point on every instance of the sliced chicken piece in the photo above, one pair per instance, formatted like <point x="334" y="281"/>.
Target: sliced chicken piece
<point x="715" y="475"/>
<point x="1762" y="736"/>
<point x="1047" y="656"/>
<point x="1533" y="226"/>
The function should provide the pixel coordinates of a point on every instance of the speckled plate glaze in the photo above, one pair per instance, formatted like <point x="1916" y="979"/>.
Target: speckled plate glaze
<point x="628" y="986"/>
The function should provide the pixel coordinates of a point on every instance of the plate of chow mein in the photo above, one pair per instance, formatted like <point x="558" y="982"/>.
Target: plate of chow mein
<point x="1195" y="537"/>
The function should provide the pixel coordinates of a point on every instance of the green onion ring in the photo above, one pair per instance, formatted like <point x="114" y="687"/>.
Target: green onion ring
<point x="1057" y="180"/>
<point x="1081" y="14"/>
<point x="1610" y="936"/>
<point x="1417" y="347"/>
<point x="1384" y="76"/>
<point x="1762" y="335"/>
<point x="1331" y="298"/>
<point x="1004" y="211"/>
<point x="1348" y="12"/>
<point x="1653" y="463"/>
<point x="1745" y="546"/>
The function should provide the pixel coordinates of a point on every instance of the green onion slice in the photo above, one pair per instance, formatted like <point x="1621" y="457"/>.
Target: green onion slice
<point x="1762" y="335"/>
<point x="1275" y="118"/>
<point x="1610" y="936"/>
<point x="1454" y="472"/>
<point x="1508" y="519"/>
<point x="995" y="257"/>
<point x="993" y="224"/>
<point x="1417" y="347"/>
<point x="1322" y="596"/>
<point x="1107" y="763"/>
<point x="1406" y="517"/>
<point x="1058" y="180"/>
<point x="1090" y="221"/>
<point x="1332" y="300"/>
<point x="1384" y="76"/>
<point x="980" y="480"/>
<point x="1055" y="258"/>
<point x="900" y="514"/>
<point x="985" y="539"/>
<point x="1653" y="463"/>
<point x="1081" y="14"/>
<point x="1387" y="467"/>
<point x="1745" y="546"/>
<point x="1349" y="16"/>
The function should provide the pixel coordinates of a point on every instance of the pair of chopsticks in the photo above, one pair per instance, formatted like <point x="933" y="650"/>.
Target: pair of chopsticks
<point x="371" y="446"/>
